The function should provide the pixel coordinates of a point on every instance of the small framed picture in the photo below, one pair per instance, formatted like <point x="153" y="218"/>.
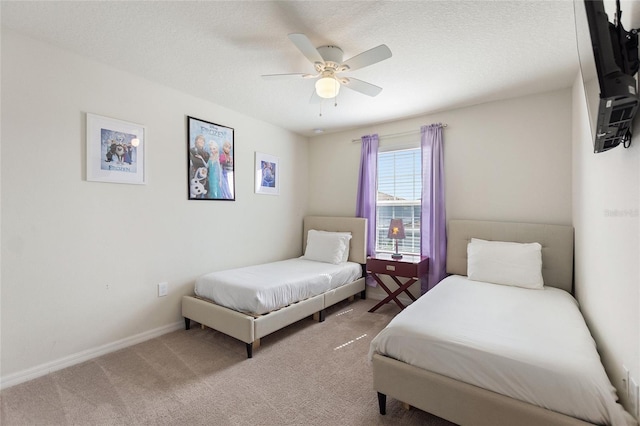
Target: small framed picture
<point x="211" y="161"/>
<point x="115" y="150"/>
<point x="267" y="174"/>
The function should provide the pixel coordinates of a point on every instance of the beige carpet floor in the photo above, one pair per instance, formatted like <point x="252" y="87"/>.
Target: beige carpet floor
<point x="309" y="373"/>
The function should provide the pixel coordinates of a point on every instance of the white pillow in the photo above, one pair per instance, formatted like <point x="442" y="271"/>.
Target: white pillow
<point x="498" y="262"/>
<point x="328" y="247"/>
<point x="346" y="235"/>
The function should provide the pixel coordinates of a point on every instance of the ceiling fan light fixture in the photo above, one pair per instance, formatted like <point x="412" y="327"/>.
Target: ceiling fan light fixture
<point x="327" y="87"/>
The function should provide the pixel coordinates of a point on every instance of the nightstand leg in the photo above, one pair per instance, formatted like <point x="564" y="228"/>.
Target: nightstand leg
<point x="405" y="287"/>
<point x="391" y="295"/>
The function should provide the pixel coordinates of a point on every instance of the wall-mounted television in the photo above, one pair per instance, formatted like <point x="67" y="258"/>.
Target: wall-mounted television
<point x="608" y="62"/>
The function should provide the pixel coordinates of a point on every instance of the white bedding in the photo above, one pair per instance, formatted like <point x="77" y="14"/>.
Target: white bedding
<point x="531" y="345"/>
<point x="263" y="288"/>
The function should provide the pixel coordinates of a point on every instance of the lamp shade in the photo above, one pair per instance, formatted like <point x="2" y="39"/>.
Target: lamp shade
<point x="327" y="87"/>
<point x="396" y="230"/>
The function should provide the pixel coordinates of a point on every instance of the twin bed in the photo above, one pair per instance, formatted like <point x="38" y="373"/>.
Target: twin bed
<point x="485" y="350"/>
<point x="499" y="342"/>
<point x="250" y="303"/>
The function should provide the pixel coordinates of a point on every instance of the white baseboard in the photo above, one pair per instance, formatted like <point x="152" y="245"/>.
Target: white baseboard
<point x="68" y="361"/>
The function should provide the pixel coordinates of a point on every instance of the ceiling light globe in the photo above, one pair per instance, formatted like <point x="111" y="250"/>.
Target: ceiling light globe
<point x="327" y="87"/>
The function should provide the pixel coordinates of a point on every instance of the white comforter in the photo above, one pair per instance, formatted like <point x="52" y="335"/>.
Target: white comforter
<point x="531" y="345"/>
<point x="263" y="288"/>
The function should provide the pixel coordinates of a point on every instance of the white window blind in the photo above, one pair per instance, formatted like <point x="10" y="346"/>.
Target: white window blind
<point x="399" y="193"/>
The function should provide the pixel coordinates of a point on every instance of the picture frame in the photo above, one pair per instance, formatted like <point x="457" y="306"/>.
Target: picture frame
<point x="115" y="150"/>
<point x="267" y="174"/>
<point x="210" y="161"/>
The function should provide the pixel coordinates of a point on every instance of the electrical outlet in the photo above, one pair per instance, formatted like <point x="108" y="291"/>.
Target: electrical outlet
<point x="163" y="289"/>
<point x="634" y="394"/>
<point x="625" y="380"/>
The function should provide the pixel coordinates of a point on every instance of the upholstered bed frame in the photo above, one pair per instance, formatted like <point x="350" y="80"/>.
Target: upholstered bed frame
<point x="457" y="401"/>
<point x="250" y="329"/>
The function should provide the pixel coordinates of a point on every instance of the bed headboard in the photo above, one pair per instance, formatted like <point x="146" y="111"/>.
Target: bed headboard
<point x="556" y="241"/>
<point x="356" y="225"/>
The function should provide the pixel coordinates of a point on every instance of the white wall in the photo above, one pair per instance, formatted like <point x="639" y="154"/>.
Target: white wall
<point x="508" y="160"/>
<point x="81" y="260"/>
<point x="606" y="218"/>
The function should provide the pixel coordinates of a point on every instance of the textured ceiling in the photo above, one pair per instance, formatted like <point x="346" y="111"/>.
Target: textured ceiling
<point x="446" y="54"/>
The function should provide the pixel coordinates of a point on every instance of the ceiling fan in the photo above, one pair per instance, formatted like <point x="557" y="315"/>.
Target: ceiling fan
<point x="327" y="61"/>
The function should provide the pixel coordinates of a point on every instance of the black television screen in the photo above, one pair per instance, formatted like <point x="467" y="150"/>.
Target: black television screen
<point x="608" y="62"/>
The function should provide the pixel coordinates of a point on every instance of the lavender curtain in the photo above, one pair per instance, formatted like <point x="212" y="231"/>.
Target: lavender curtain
<point x="433" y="229"/>
<point x="367" y="190"/>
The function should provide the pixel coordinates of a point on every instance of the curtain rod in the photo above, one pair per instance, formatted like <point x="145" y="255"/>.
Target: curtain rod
<point x="394" y="135"/>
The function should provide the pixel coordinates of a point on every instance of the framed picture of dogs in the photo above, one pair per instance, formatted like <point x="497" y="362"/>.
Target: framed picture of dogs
<point x="115" y="150"/>
<point x="211" y="163"/>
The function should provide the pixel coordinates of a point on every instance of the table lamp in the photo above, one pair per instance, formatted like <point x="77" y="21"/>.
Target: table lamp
<point x="396" y="232"/>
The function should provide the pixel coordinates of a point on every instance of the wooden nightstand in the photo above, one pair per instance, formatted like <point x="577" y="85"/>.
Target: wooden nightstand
<point x="410" y="266"/>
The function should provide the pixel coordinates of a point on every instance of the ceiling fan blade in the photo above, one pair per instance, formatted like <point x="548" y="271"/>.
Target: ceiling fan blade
<point x="282" y="76"/>
<point x="361" y="86"/>
<point x="368" y="57"/>
<point x="308" y="50"/>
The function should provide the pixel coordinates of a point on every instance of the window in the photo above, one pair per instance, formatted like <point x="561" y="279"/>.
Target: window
<point x="399" y="193"/>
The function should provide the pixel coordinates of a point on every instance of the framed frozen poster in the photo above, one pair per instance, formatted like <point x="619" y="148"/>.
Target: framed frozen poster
<point x="115" y="150"/>
<point x="267" y="174"/>
<point x="211" y="164"/>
